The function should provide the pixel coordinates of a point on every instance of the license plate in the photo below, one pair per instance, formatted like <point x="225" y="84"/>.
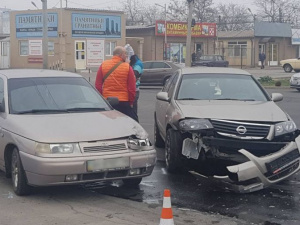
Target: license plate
<point x="107" y="164"/>
<point x="283" y="161"/>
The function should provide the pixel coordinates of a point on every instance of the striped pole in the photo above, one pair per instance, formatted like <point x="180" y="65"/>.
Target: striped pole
<point x="166" y="214"/>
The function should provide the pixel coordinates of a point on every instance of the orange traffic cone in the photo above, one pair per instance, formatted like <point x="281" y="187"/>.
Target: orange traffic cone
<point x="166" y="213"/>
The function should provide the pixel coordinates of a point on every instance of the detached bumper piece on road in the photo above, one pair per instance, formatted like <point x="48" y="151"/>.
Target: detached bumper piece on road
<point x="258" y="172"/>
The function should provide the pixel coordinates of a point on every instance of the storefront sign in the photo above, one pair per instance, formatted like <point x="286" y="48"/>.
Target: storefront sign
<point x="179" y="29"/>
<point x="95" y="25"/>
<point x="295" y="36"/>
<point x="35" y="60"/>
<point x="31" y="25"/>
<point x="95" y="52"/>
<point x="35" y="47"/>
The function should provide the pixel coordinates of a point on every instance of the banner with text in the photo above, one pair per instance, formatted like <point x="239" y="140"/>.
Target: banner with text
<point x="31" y="25"/>
<point x="95" y="52"/>
<point x="179" y="29"/>
<point x="95" y="25"/>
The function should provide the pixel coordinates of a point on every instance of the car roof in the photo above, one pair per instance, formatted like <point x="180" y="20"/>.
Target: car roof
<point x="215" y="70"/>
<point x="23" y="73"/>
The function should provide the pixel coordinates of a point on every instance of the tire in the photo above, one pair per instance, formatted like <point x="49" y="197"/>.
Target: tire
<point x="173" y="146"/>
<point x="298" y="89"/>
<point x="132" y="182"/>
<point x="158" y="141"/>
<point x="288" y="68"/>
<point x="19" y="180"/>
<point x="297" y="71"/>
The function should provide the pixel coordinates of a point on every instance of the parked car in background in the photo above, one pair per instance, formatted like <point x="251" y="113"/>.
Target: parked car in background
<point x="224" y="126"/>
<point x="157" y="72"/>
<point x="295" y="81"/>
<point x="211" y="61"/>
<point x="56" y="129"/>
<point x="290" y="64"/>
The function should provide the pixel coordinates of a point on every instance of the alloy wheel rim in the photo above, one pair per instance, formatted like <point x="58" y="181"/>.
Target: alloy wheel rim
<point x="15" y="172"/>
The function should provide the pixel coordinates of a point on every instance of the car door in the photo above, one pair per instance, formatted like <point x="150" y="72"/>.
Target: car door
<point x="157" y="72"/>
<point x="219" y="61"/>
<point x="146" y="76"/>
<point x="2" y="121"/>
<point x="162" y="107"/>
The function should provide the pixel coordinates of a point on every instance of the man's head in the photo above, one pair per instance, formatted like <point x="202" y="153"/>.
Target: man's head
<point x="121" y="52"/>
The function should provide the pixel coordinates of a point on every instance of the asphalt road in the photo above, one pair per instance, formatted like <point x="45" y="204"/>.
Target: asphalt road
<point x="193" y="201"/>
<point x="276" y="205"/>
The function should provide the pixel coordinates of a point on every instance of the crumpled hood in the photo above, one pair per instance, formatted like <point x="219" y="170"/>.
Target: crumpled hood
<point x="73" y="127"/>
<point x="233" y="110"/>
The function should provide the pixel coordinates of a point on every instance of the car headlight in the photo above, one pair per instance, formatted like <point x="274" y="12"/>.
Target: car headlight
<point x="195" y="124"/>
<point x="285" y="127"/>
<point x="57" y="148"/>
<point x="135" y="143"/>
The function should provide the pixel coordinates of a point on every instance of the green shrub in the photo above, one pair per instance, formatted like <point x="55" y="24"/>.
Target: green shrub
<point x="265" y="79"/>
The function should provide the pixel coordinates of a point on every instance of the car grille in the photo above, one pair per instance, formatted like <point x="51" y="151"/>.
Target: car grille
<point x="230" y="129"/>
<point x="107" y="148"/>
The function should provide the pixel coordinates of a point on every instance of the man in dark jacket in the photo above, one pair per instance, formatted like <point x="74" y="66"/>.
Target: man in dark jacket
<point x="262" y="58"/>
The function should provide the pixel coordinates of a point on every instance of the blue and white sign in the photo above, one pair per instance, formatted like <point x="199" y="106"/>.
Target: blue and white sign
<point x="96" y="26"/>
<point x="31" y="25"/>
<point x="295" y="36"/>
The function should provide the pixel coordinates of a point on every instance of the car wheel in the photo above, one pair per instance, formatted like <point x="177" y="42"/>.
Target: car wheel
<point x="18" y="175"/>
<point x="298" y="89"/>
<point x="132" y="182"/>
<point x="297" y="71"/>
<point x="158" y="141"/>
<point x="288" y="68"/>
<point x="173" y="148"/>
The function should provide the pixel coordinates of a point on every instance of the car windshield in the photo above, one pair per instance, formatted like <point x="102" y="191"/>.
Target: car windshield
<point x="53" y="95"/>
<point x="220" y="87"/>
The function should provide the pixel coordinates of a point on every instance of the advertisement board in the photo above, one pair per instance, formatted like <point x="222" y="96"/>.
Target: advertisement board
<point x="295" y="36"/>
<point x="179" y="29"/>
<point x="96" y="26"/>
<point x="95" y="52"/>
<point x="31" y="25"/>
<point x="35" y="47"/>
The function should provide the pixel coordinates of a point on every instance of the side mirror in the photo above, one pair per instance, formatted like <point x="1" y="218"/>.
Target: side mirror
<point x="276" y="97"/>
<point x="113" y="101"/>
<point x="163" y="96"/>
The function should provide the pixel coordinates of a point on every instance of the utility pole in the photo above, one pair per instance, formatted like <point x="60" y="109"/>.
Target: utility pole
<point x="189" y="34"/>
<point x="45" y="35"/>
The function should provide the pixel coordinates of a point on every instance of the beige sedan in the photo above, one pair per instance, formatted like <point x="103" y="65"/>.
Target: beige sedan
<point x="56" y="129"/>
<point x="290" y="64"/>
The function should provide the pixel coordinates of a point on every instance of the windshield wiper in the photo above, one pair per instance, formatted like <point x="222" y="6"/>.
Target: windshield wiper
<point x="189" y="99"/>
<point x="234" y="99"/>
<point x="85" y="109"/>
<point x="42" y="111"/>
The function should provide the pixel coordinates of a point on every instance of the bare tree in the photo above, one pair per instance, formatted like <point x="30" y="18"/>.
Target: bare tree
<point x="278" y="10"/>
<point x="133" y="10"/>
<point x="204" y="11"/>
<point x="177" y="10"/>
<point x="151" y="13"/>
<point x="234" y="17"/>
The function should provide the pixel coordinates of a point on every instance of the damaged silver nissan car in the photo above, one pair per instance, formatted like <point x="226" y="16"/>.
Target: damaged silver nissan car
<point x="56" y="129"/>
<point x="226" y="127"/>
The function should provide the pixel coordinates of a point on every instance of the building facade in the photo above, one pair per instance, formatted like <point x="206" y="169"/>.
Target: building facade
<point x="160" y="43"/>
<point x="78" y="39"/>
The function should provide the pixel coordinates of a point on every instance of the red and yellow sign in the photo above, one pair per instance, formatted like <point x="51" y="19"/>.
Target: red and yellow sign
<point x="179" y="29"/>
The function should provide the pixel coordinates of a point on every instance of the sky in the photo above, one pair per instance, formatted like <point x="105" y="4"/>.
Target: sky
<point x="94" y="4"/>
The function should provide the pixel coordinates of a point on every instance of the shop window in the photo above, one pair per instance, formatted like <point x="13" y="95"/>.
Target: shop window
<point x="109" y="48"/>
<point x="24" y="49"/>
<point x="237" y="48"/>
<point x="4" y="49"/>
<point x="51" y="48"/>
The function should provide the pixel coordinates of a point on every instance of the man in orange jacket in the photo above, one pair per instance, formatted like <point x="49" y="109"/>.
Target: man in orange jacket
<point x="115" y="78"/>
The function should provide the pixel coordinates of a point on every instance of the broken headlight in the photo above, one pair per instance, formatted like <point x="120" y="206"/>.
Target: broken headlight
<point x="285" y="127"/>
<point x="195" y="124"/>
<point x="135" y="143"/>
